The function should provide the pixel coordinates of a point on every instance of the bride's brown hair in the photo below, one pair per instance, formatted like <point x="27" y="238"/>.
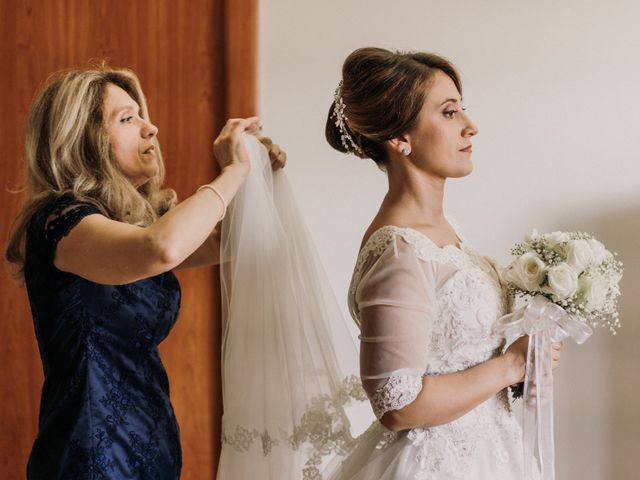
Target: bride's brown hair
<point x="382" y="92"/>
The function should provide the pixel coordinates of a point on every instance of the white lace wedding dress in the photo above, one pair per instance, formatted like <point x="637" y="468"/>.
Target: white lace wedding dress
<point x="426" y="310"/>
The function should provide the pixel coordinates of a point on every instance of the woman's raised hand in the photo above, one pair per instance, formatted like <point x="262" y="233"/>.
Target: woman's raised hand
<point x="277" y="156"/>
<point x="229" y="148"/>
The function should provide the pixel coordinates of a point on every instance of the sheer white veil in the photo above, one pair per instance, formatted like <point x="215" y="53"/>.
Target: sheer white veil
<point x="289" y="363"/>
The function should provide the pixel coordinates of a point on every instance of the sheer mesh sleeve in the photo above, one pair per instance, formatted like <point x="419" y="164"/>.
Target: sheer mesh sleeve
<point x="396" y="302"/>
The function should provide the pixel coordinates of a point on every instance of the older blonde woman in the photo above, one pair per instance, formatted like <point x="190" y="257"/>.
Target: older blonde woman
<point x="96" y="243"/>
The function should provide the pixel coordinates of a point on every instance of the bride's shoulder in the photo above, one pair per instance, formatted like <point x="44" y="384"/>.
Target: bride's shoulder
<point x="374" y="229"/>
<point x="381" y="233"/>
<point x="377" y="239"/>
<point x="380" y="247"/>
<point x="399" y="240"/>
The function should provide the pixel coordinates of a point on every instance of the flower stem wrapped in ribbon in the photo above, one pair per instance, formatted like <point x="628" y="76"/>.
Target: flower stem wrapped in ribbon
<point x="574" y="284"/>
<point x="545" y="323"/>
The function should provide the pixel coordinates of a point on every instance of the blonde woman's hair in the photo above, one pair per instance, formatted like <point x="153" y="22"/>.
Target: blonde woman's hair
<point x="67" y="151"/>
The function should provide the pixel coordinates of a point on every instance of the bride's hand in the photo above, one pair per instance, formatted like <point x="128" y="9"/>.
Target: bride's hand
<point x="277" y="156"/>
<point x="556" y="348"/>
<point x="229" y="148"/>
<point x="516" y="356"/>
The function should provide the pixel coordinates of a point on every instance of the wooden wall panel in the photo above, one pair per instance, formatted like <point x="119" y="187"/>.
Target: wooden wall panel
<point x="181" y="52"/>
<point x="241" y="61"/>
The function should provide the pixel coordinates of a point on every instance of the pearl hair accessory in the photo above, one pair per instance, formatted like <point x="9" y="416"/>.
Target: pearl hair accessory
<point x="341" y="122"/>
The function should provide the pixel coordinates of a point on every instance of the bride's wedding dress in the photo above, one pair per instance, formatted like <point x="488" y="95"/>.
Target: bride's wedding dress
<point x="426" y="310"/>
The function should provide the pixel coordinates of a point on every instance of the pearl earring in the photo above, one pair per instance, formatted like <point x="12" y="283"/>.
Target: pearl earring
<point x="406" y="151"/>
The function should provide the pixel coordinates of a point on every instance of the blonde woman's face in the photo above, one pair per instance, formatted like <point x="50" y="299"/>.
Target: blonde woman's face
<point x="441" y="141"/>
<point x="131" y="136"/>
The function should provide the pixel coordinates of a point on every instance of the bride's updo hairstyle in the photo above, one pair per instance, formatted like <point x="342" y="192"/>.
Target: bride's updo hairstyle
<point x="379" y="98"/>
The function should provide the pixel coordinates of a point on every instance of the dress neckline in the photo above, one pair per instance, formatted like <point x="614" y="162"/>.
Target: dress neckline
<point x="459" y="246"/>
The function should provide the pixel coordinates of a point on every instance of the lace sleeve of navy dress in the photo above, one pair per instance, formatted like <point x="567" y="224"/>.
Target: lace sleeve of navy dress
<point x="51" y="223"/>
<point x="65" y="215"/>
<point x="104" y="410"/>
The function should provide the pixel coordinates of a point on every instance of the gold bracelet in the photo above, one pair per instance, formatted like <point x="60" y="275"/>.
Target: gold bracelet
<point x="215" y="190"/>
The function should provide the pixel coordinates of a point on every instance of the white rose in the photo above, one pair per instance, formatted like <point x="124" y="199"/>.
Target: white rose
<point x="580" y="255"/>
<point x="555" y="238"/>
<point x="593" y="290"/>
<point x="562" y="281"/>
<point x="600" y="253"/>
<point x="531" y="237"/>
<point x="526" y="272"/>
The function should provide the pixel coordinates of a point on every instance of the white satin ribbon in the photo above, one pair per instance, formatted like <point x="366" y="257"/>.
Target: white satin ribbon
<point x="545" y="323"/>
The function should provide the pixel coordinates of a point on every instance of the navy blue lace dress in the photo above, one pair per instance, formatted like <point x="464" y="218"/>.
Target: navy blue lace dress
<point x="105" y="410"/>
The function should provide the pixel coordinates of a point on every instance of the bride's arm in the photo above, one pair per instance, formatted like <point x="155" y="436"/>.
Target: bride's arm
<point x="444" y="398"/>
<point x="398" y="305"/>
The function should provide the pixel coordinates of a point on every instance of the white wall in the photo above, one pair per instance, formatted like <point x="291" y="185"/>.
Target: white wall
<point x="554" y="89"/>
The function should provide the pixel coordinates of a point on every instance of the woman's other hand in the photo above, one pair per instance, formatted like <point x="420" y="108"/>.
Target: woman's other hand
<point x="229" y="148"/>
<point x="277" y="156"/>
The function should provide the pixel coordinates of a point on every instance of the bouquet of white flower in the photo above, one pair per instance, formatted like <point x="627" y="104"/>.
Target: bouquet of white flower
<point x="573" y="270"/>
<point x="571" y="283"/>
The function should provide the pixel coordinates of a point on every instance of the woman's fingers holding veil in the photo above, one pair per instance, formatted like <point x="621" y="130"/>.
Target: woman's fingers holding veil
<point x="277" y="156"/>
<point x="228" y="147"/>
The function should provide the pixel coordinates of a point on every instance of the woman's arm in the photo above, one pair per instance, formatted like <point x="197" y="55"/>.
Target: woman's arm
<point x="445" y="398"/>
<point x="209" y="252"/>
<point x="115" y="253"/>
<point x="112" y="252"/>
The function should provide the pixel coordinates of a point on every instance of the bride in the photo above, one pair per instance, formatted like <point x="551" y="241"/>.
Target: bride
<point x="424" y="299"/>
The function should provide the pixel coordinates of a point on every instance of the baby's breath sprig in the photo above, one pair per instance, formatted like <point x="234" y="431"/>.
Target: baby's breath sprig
<point x="580" y="236"/>
<point x="519" y="249"/>
<point x="550" y="255"/>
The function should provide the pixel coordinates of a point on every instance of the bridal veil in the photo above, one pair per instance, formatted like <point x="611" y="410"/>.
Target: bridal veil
<point x="289" y="363"/>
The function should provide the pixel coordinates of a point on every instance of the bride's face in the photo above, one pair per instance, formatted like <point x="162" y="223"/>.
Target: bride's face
<point x="441" y="141"/>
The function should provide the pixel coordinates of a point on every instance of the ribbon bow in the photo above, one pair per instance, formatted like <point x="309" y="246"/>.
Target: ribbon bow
<point x="545" y="323"/>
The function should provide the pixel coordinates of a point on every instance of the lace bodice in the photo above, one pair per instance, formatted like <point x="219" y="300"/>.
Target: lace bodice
<point x="465" y="287"/>
<point x="429" y="310"/>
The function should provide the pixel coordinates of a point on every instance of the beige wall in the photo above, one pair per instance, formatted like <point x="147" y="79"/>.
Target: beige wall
<point x="554" y="89"/>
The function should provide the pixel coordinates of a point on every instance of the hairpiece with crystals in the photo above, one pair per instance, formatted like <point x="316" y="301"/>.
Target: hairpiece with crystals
<point x="341" y="122"/>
